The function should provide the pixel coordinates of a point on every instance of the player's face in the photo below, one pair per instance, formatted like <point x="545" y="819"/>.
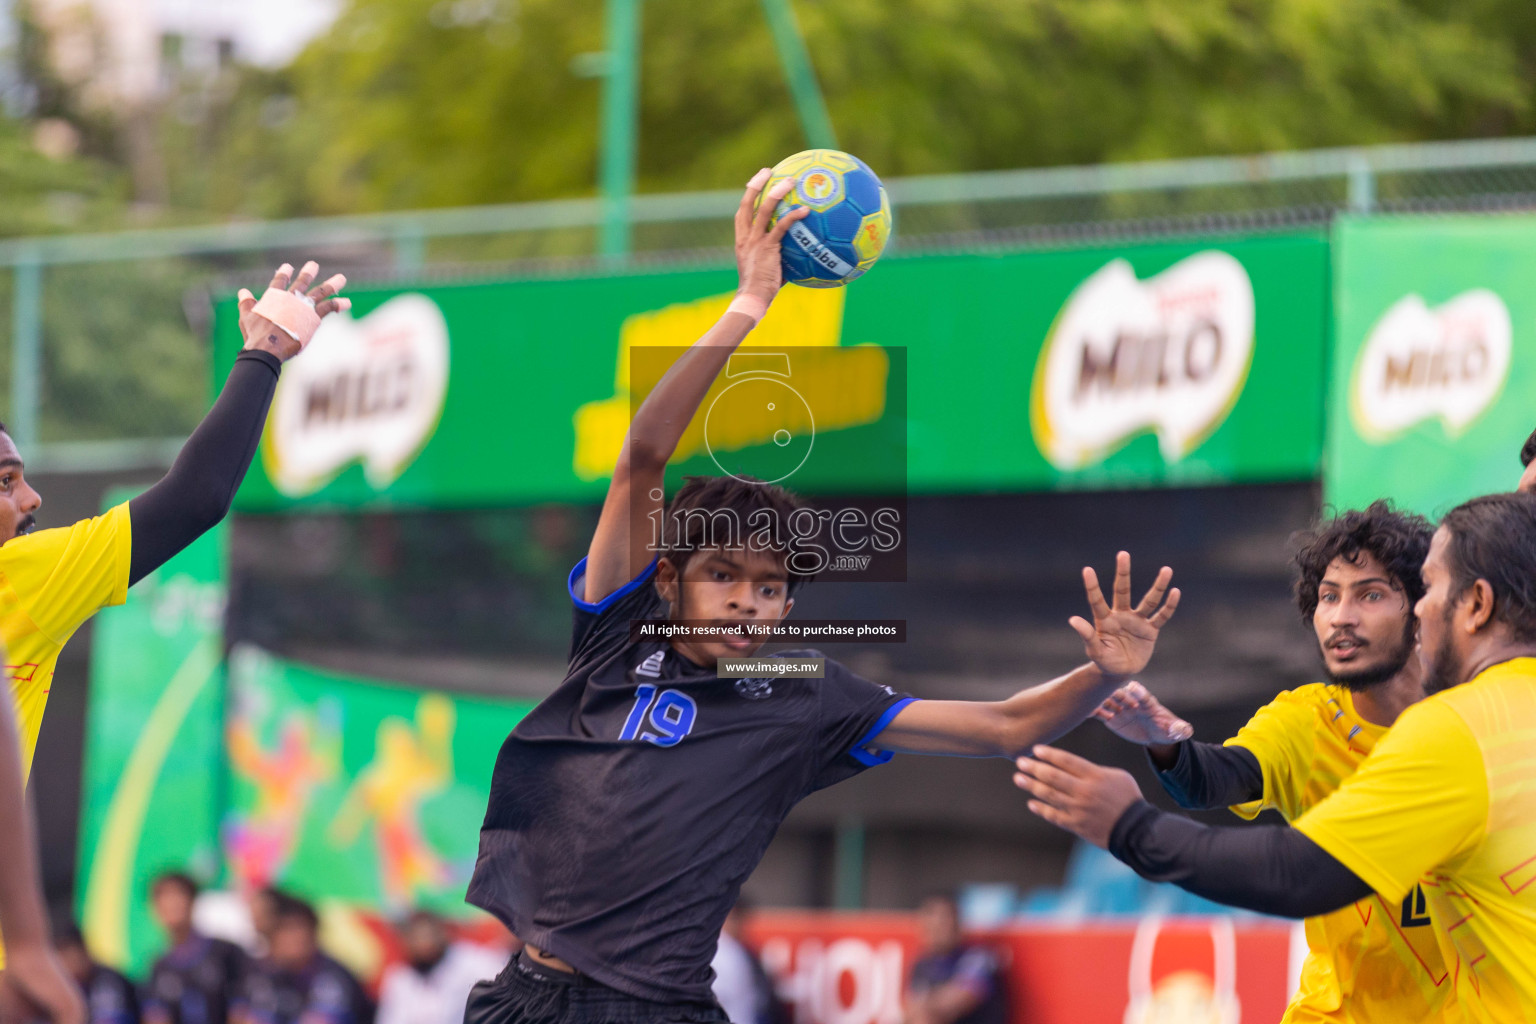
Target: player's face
<point x="1363" y="623"/>
<point x="730" y="588"/>
<point x="1443" y="657"/>
<point x="18" y="501"/>
<point x="940" y="924"/>
<point x="293" y="944"/>
<point x="173" y="908"/>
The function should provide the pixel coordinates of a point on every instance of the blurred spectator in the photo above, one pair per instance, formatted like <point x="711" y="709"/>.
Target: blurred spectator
<point x="433" y="984"/>
<point x="264" y="904"/>
<point x="744" y="989"/>
<point x="192" y="982"/>
<point x="110" y="998"/>
<point x="953" y="982"/>
<point x="296" y="983"/>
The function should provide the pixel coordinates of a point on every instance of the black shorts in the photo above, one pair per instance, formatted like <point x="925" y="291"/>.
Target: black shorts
<point x="528" y="993"/>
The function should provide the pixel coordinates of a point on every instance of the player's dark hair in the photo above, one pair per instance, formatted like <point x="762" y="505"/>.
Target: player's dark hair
<point x="292" y="909"/>
<point x="726" y="511"/>
<point x="1398" y="540"/>
<point x="1527" y="452"/>
<point x="178" y="879"/>
<point x="1493" y="538"/>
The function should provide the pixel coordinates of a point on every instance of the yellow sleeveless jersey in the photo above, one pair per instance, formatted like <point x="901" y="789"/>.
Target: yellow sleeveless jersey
<point x="1448" y="798"/>
<point x="1375" y="960"/>
<point x="51" y="581"/>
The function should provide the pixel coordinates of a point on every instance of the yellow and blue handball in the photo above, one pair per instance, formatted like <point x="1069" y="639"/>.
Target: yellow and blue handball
<point x="849" y="223"/>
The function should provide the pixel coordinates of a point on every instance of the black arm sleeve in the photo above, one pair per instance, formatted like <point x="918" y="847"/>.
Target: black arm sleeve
<point x="1207" y="776"/>
<point x="1272" y="869"/>
<point x="196" y="492"/>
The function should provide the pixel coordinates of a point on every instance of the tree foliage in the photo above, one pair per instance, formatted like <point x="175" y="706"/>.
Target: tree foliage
<point x="415" y="103"/>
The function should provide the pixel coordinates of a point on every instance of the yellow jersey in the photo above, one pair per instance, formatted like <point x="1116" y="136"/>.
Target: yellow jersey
<point x="51" y="581"/>
<point x="1377" y="959"/>
<point x="1448" y="798"/>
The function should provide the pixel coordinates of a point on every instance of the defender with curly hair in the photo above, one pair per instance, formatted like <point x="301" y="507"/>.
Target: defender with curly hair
<point x="1357" y="582"/>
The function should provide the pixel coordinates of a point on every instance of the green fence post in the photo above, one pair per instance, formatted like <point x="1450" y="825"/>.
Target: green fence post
<point x="801" y="74"/>
<point x="26" y="350"/>
<point x="621" y="95"/>
<point x="848" y="863"/>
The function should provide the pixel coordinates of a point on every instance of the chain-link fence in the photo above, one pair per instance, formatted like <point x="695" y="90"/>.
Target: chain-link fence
<point x="106" y="359"/>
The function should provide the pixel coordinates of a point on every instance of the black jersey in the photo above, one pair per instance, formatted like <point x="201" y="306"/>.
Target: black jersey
<point x="627" y="809"/>
<point x="110" y="998"/>
<point x="192" y="982"/>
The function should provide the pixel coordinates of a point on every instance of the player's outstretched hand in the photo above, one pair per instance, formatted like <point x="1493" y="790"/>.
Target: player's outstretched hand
<point x="260" y="332"/>
<point x="1132" y="713"/>
<point x="35" y="988"/>
<point x="1120" y="638"/>
<point x="1075" y="794"/>
<point x="757" y="245"/>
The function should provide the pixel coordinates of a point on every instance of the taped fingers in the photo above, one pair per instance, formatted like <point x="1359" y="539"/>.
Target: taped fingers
<point x="330" y="286"/>
<point x="294" y="314"/>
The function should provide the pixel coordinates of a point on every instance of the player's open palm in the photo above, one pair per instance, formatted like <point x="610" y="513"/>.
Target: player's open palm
<point x="1133" y="714"/>
<point x="1120" y="638"/>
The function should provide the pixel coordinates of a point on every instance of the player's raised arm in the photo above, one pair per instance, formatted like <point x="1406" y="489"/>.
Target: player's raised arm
<point x="621" y="546"/>
<point x="1118" y="642"/>
<point x="197" y="491"/>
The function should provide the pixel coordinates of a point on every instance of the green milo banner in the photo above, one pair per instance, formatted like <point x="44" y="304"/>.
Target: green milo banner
<point x="1189" y="363"/>
<point x="353" y="790"/>
<point x="1434" y="363"/>
<point x="151" y="792"/>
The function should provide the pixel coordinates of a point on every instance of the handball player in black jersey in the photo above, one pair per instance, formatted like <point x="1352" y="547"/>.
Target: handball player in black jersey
<point x="629" y="807"/>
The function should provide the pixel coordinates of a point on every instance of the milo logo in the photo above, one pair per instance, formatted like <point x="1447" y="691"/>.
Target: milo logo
<point x="1169" y="355"/>
<point x="1421" y="362"/>
<point x="368" y="390"/>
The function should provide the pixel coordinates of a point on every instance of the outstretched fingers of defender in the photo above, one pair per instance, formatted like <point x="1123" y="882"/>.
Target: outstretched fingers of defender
<point x="1122" y="581"/>
<point x="1154" y="595"/>
<point x="245" y="301"/>
<point x="1096" y="602"/>
<point x="307" y="274"/>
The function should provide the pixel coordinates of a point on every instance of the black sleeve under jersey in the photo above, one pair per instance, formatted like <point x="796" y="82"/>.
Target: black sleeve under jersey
<point x="197" y="491"/>
<point x="1208" y="775"/>
<point x="1272" y="869"/>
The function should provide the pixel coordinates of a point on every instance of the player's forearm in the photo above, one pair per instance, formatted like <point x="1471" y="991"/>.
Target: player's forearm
<point x="197" y="491"/>
<point x="23" y="921"/>
<point x="662" y="418"/>
<point x="1272" y="869"/>
<point x="1048" y="710"/>
<point x="1205" y="776"/>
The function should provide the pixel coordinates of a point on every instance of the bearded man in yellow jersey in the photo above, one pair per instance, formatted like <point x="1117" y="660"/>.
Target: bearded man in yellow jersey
<point x="51" y="581"/>
<point x="1447" y="799"/>
<point x="1357" y="581"/>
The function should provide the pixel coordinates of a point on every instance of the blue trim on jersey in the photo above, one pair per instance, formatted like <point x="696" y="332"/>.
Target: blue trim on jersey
<point x="868" y="758"/>
<point x="579" y="572"/>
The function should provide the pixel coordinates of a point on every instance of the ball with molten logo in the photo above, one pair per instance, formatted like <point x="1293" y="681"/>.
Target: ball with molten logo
<point x="849" y="222"/>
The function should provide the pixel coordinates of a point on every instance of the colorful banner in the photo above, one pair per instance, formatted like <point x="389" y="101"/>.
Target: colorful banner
<point x="1189" y="363"/>
<point x="1435" y="359"/>
<point x="364" y="793"/>
<point x="151" y="792"/>
<point x="833" y="968"/>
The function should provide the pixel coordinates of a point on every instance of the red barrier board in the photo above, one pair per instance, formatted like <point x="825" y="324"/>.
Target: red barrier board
<point x="846" y="968"/>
